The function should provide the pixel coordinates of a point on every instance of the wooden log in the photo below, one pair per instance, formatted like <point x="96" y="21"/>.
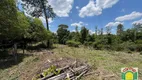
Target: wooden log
<point x="61" y="76"/>
<point x="81" y="75"/>
<point x="70" y="73"/>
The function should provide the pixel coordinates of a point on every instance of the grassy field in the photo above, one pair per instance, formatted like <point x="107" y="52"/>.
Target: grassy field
<point x="105" y="62"/>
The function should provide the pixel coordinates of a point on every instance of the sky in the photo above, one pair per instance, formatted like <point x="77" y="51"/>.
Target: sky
<point x="91" y="13"/>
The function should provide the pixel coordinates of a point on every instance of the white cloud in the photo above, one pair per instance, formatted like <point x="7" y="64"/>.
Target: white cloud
<point x="79" y="24"/>
<point x="96" y="8"/>
<point x="44" y="21"/>
<point x="113" y="24"/>
<point x="90" y="10"/>
<point x="77" y="7"/>
<point x="73" y="31"/>
<point x="106" y="3"/>
<point x="62" y="8"/>
<point x="91" y="32"/>
<point x="132" y="16"/>
<point x="139" y="22"/>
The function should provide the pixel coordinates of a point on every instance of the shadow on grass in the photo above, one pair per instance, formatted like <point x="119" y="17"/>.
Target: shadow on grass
<point x="39" y="47"/>
<point x="11" y="60"/>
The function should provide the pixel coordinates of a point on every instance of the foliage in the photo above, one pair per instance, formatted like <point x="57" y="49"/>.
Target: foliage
<point x="139" y="47"/>
<point x="37" y="8"/>
<point x="138" y="41"/>
<point x="38" y="32"/>
<point x="8" y="20"/>
<point x="88" y="43"/>
<point x="97" y="45"/>
<point x="141" y="53"/>
<point x="51" y="69"/>
<point x="3" y="54"/>
<point x="84" y="33"/>
<point x="73" y="43"/>
<point x="62" y="33"/>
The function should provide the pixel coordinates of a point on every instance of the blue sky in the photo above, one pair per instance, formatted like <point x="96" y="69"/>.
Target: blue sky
<point x="91" y="13"/>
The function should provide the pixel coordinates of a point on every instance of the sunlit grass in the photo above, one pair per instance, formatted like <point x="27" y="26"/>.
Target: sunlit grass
<point x="110" y="61"/>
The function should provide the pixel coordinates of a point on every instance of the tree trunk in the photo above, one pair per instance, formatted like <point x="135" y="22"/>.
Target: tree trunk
<point x="45" y="14"/>
<point x="46" y="18"/>
<point x="15" y="51"/>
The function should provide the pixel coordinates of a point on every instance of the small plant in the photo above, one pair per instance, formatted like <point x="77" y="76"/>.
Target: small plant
<point x="50" y="70"/>
<point x="139" y="47"/>
<point x="72" y="43"/>
<point x="141" y="53"/>
<point x="129" y="52"/>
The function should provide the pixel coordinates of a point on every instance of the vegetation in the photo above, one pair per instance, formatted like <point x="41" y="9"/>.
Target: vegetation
<point x="40" y="7"/>
<point x="20" y="32"/>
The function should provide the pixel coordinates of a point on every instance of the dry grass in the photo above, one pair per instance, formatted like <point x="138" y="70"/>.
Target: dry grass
<point x="105" y="62"/>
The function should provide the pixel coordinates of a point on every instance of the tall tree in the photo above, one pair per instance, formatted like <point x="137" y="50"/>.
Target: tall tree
<point x="119" y="29"/>
<point x="101" y="31"/>
<point x="84" y="33"/>
<point x="37" y="8"/>
<point x="137" y="29"/>
<point x="96" y="30"/>
<point x="62" y="33"/>
<point x="8" y="20"/>
<point x="108" y="30"/>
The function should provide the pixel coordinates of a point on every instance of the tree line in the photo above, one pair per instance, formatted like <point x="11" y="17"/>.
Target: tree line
<point x="124" y="40"/>
<point x="20" y="31"/>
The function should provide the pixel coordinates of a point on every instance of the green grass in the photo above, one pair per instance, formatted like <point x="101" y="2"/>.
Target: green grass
<point x="109" y="62"/>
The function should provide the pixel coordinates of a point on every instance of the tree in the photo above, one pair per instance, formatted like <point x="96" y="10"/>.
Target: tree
<point x="8" y="20"/>
<point x="84" y="33"/>
<point x="137" y="29"/>
<point x="108" y="30"/>
<point x="38" y="32"/>
<point x="101" y="31"/>
<point x="119" y="29"/>
<point x="96" y="30"/>
<point x="39" y="7"/>
<point x="62" y="33"/>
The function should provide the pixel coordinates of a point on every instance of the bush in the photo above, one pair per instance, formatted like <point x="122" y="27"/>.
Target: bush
<point x="140" y="53"/>
<point x="132" y="47"/>
<point x="88" y="43"/>
<point x="72" y="43"/>
<point x="97" y="46"/>
<point x="139" y="42"/>
<point x="3" y="54"/>
<point x="139" y="47"/>
<point x="118" y="47"/>
<point x="107" y="47"/>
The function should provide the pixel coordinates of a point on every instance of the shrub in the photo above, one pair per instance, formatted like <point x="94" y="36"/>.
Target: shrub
<point x="118" y="48"/>
<point x="139" y="47"/>
<point x="108" y="47"/>
<point x="132" y="47"/>
<point x="139" y="42"/>
<point x="129" y="52"/>
<point x="72" y="43"/>
<point x="97" y="46"/>
<point x="141" y="53"/>
<point x="88" y="43"/>
<point x="3" y="54"/>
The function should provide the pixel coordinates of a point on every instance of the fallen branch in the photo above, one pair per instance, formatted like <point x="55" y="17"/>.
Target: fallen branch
<point x="70" y="73"/>
<point x="81" y="75"/>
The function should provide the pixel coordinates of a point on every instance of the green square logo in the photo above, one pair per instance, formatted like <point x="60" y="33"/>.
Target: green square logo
<point x="129" y="73"/>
